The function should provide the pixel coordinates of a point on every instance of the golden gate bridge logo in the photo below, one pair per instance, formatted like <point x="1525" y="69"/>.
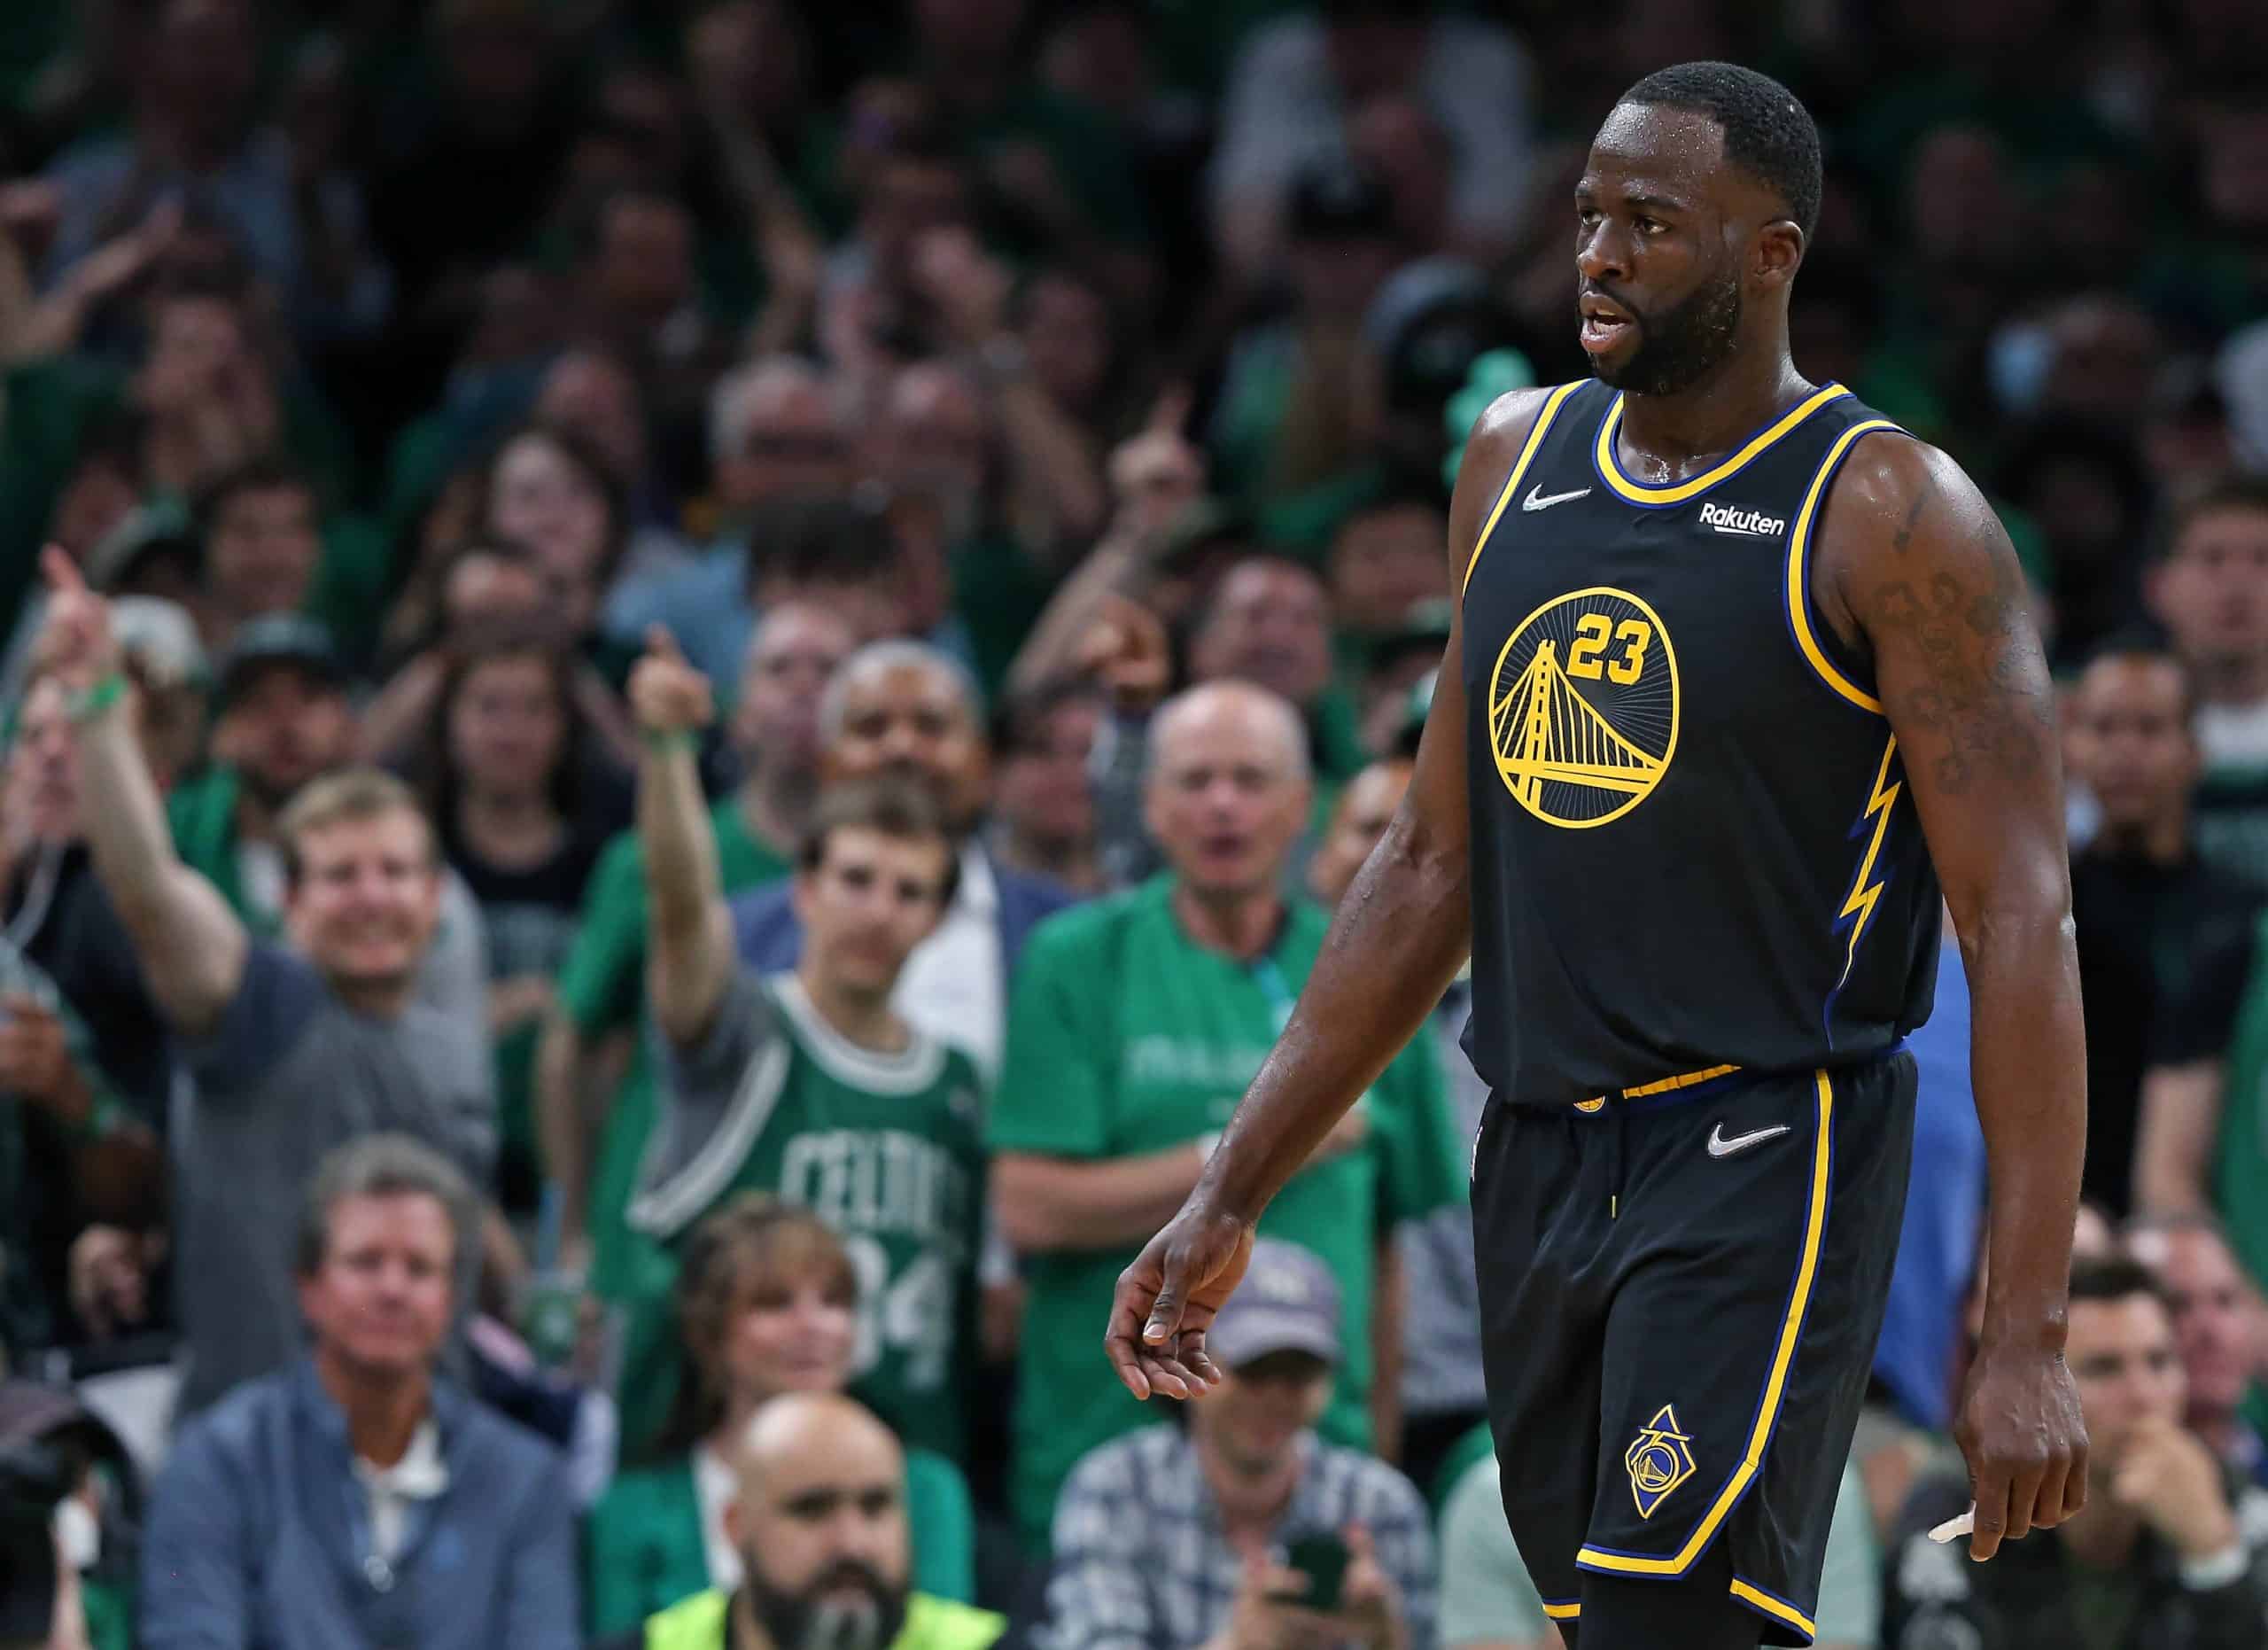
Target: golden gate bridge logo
<point x="1582" y="710"/>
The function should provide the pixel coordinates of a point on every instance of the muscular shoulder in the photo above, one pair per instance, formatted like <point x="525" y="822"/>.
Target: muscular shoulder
<point x="1490" y="451"/>
<point x="1495" y="444"/>
<point x="1904" y="528"/>
<point x="1895" y="495"/>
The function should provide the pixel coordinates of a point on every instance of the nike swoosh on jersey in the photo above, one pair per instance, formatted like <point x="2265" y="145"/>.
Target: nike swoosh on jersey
<point x="1720" y="1147"/>
<point x="1538" y="499"/>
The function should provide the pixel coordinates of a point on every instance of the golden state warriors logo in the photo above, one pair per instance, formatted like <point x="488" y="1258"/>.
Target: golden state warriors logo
<point x="1657" y="1461"/>
<point x="1582" y="710"/>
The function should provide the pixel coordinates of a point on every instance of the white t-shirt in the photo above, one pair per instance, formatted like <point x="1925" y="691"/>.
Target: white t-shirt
<point x="419" y="1475"/>
<point x="953" y="986"/>
<point x="714" y="1488"/>
<point x="2233" y="736"/>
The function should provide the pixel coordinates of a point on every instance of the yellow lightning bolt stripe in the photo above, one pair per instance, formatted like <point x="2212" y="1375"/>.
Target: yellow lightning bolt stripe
<point x="1865" y="893"/>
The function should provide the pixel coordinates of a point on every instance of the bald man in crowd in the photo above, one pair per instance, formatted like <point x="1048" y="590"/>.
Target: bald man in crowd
<point x="1135" y="1023"/>
<point x="819" y="1519"/>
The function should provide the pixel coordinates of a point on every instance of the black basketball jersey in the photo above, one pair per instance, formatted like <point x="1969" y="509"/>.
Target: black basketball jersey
<point x="1692" y="845"/>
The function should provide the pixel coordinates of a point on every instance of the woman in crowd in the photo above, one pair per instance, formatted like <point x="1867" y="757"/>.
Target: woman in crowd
<point x="524" y="800"/>
<point x="542" y="495"/>
<point x="548" y="490"/>
<point x="767" y="1302"/>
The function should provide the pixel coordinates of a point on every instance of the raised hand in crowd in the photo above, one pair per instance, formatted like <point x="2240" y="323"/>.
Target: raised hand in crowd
<point x="966" y="287"/>
<point x="191" y="946"/>
<point x="667" y="695"/>
<point x="1126" y="650"/>
<point x="689" y="955"/>
<point x="1156" y="473"/>
<point x="55" y="324"/>
<point x="36" y="1062"/>
<point x="110" y="1271"/>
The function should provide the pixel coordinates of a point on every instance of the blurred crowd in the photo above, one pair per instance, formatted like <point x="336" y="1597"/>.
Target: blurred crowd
<point x="685" y="687"/>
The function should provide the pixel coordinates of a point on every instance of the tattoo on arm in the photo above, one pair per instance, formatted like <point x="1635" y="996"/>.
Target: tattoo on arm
<point x="1904" y="536"/>
<point x="1983" y="696"/>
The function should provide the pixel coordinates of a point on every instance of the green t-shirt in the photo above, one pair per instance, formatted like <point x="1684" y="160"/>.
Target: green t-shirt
<point x="885" y="1148"/>
<point x="2241" y="1155"/>
<point x="602" y="987"/>
<point x="1125" y="1037"/>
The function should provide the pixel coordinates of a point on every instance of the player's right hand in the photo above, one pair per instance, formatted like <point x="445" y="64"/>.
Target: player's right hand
<point x="75" y="644"/>
<point x="668" y="696"/>
<point x="1166" y="1301"/>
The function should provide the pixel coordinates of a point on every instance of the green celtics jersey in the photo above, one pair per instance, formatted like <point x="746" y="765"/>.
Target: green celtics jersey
<point x="602" y="988"/>
<point x="885" y="1148"/>
<point x="1126" y="1038"/>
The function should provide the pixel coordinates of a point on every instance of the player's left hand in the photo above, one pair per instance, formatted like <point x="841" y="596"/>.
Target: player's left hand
<point x="2026" y="1445"/>
<point x="1166" y="1300"/>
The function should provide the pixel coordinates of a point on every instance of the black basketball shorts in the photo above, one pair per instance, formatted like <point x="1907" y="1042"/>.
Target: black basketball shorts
<point x="1679" y="1295"/>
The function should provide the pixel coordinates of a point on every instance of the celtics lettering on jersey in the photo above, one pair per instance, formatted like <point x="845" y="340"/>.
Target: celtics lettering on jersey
<point x="884" y="1148"/>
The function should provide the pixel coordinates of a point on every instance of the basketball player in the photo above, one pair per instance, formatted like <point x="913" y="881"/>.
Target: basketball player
<point x="1741" y="670"/>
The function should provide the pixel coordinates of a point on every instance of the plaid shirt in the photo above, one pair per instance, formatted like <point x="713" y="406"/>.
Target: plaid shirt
<point x="1143" y="1563"/>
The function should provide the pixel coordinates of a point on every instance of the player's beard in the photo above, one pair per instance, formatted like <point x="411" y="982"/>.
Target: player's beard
<point x="807" y="1621"/>
<point x="1679" y="346"/>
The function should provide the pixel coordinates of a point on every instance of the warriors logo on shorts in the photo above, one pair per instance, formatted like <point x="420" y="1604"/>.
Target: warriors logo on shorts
<point x="1657" y="1461"/>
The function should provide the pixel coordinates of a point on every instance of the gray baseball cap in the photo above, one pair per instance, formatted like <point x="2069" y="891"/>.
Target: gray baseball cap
<point x="1287" y="1302"/>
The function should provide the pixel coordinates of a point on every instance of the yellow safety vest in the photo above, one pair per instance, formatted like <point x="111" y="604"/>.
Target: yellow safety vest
<point x="698" y="1623"/>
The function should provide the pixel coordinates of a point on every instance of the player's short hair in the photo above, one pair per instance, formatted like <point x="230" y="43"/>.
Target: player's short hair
<point x="382" y="1166"/>
<point x="2113" y="1279"/>
<point x="355" y="794"/>
<point x="2228" y="493"/>
<point x="889" y="806"/>
<point x="1768" y="133"/>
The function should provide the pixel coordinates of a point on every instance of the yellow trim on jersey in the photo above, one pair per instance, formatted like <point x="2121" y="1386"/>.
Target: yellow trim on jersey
<point x="1563" y="1612"/>
<point x="1551" y="405"/>
<point x="1773" y="1607"/>
<point x="1799" y="593"/>
<point x="1684" y="1079"/>
<point x="1638" y="492"/>
<point x="1767" y="1411"/>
